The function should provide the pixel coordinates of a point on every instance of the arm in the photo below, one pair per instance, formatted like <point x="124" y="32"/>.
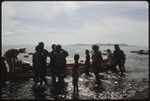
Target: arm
<point x="100" y="54"/>
<point x="65" y="53"/>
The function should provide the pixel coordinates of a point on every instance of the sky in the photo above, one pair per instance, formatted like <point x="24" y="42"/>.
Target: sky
<point x="72" y="22"/>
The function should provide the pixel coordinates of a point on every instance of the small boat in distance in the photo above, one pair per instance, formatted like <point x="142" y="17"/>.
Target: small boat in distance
<point x="141" y="52"/>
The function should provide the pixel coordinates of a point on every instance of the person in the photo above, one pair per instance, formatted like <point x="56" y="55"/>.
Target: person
<point x="11" y="58"/>
<point x="109" y="56"/>
<point x="35" y="65"/>
<point x="44" y="51"/>
<point x="118" y="58"/>
<point x="109" y="59"/>
<point x="123" y="62"/>
<point x="39" y="65"/>
<point x="52" y="63"/>
<point x="3" y="72"/>
<point x="45" y="54"/>
<point x="60" y="63"/>
<point x="75" y="73"/>
<point x="97" y="61"/>
<point x="87" y="62"/>
<point x="65" y="54"/>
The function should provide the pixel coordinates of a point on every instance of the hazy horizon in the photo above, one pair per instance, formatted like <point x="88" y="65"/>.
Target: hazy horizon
<point x="47" y="45"/>
<point x="73" y="22"/>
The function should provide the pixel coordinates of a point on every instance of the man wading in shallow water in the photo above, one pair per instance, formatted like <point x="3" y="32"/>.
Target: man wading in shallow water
<point x="60" y="63"/>
<point x="97" y="61"/>
<point x="45" y="54"/>
<point x="52" y="64"/>
<point x="118" y="59"/>
<point x="38" y="66"/>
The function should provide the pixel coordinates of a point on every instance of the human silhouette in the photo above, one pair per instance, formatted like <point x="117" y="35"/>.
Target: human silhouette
<point x="52" y="63"/>
<point x="11" y="58"/>
<point x="123" y="62"/>
<point x="109" y="61"/>
<point x="87" y="62"/>
<point x="45" y="53"/>
<point x="65" y="54"/>
<point x="109" y="56"/>
<point x="60" y="63"/>
<point x="38" y="65"/>
<point x="97" y="61"/>
<point x="118" y="58"/>
<point x="75" y="73"/>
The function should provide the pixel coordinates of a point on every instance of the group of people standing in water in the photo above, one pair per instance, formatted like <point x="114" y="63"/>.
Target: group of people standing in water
<point x="58" y="65"/>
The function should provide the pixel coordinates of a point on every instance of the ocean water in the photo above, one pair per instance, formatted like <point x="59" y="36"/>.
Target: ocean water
<point x="137" y="70"/>
<point x="71" y="50"/>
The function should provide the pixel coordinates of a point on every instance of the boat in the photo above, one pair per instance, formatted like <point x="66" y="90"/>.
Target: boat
<point x="141" y="52"/>
<point x="25" y="70"/>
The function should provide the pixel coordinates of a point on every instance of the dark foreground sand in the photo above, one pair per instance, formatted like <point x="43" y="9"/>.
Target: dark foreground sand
<point x="144" y="94"/>
<point x="112" y="88"/>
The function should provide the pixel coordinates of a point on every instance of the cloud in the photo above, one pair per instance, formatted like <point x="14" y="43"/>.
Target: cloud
<point x="74" y="22"/>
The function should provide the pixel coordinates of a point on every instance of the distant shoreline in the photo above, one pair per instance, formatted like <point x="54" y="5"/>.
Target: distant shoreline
<point x="78" y="44"/>
<point x="124" y="45"/>
<point x="108" y="44"/>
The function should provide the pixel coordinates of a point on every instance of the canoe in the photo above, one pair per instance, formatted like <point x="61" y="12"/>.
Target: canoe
<point x="26" y="71"/>
<point x="141" y="52"/>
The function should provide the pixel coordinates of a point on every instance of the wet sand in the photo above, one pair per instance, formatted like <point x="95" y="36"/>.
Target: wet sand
<point x="132" y="86"/>
<point x="112" y="87"/>
<point x="144" y="94"/>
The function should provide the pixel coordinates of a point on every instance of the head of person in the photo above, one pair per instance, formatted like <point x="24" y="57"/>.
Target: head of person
<point x="22" y="50"/>
<point x="53" y="46"/>
<point x="95" y="47"/>
<point x="86" y="51"/>
<point x="41" y="44"/>
<point x="37" y="48"/>
<point x="108" y="50"/>
<point x="58" y="48"/>
<point x="117" y="47"/>
<point x="76" y="57"/>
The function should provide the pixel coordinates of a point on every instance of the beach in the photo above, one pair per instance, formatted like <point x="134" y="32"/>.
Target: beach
<point x="134" y="85"/>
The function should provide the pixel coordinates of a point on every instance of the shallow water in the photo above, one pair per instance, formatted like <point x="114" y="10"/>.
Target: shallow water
<point x="111" y="88"/>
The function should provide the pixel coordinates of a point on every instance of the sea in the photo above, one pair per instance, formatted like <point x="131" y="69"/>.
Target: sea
<point x="137" y="75"/>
